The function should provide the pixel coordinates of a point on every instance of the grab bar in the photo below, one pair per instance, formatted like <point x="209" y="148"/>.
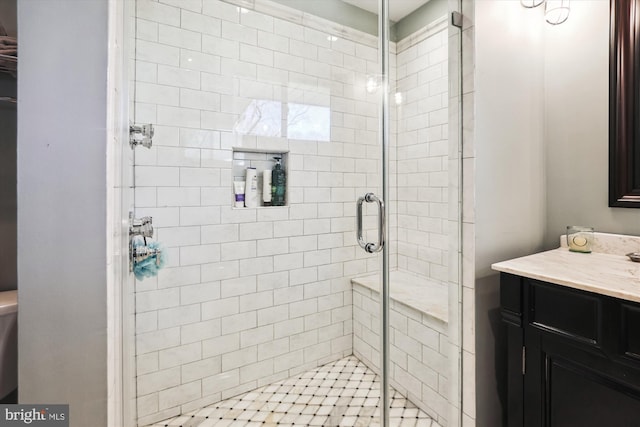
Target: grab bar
<point x="371" y="247"/>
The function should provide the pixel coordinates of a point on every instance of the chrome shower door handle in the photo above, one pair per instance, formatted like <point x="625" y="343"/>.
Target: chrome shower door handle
<point x="382" y="221"/>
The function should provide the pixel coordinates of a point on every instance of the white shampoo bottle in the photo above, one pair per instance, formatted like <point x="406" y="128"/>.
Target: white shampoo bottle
<point x="266" y="187"/>
<point x="251" y="188"/>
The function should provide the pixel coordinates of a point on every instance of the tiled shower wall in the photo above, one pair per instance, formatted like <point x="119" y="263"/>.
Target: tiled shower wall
<point x="249" y="296"/>
<point x="418" y="350"/>
<point x="423" y="153"/>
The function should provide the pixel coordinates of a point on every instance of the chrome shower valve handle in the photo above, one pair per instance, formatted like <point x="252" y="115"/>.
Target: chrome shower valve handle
<point x="371" y="247"/>
<point x="140" y="253"/>
<point x="141" y="135"/>
<point x="141" y="227"/>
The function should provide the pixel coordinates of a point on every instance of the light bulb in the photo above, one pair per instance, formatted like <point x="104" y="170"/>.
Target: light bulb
<point x="531" y="3"/>
<point x="556" y="11"/>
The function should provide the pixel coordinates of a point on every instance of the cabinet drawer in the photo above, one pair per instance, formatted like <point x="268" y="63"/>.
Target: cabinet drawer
<point x="568" y="312"/>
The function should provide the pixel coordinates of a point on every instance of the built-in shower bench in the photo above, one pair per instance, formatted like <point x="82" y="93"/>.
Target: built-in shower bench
<point x="419" y="343"/>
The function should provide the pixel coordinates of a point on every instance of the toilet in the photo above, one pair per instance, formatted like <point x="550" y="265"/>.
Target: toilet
<point x="8" y="342"/>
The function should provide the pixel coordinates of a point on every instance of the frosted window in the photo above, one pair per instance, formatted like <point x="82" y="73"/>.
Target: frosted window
<point x="264" y="118"/>
<point x="309" y="122"/>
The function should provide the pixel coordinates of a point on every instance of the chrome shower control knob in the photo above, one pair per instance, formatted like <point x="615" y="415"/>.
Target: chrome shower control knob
<point x="141" y="227"/>
<point x="141" y="135"/>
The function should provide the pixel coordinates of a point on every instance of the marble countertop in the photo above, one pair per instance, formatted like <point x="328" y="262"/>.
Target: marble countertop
<point x="603" y="273"/>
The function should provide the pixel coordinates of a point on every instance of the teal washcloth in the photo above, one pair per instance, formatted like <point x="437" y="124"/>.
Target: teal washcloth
<point x="149" y="267"/>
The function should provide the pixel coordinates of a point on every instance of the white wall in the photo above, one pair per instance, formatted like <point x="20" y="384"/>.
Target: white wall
<point x="577" y="125"/>
<point x="509" y="217"/>
<point x="62" y="196"/>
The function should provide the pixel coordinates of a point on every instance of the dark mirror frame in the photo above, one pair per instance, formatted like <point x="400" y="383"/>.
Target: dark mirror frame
<point x="624" y="104"/>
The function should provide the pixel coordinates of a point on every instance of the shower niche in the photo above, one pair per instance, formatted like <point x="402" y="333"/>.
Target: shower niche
<point x="262" y="161"/>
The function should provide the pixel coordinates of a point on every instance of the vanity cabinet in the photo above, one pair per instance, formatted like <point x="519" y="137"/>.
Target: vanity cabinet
<point x="573" y="356"/>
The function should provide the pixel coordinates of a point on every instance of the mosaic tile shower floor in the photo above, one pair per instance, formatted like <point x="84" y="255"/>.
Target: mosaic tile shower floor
<point x="342" y="393"/>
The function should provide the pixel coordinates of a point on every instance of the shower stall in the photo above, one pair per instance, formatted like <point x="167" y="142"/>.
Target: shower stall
<point x="341" y="307"/>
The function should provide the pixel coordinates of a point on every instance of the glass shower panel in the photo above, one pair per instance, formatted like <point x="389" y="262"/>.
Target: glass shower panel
<point x="251" y="297"/>
<point x="424" y="221"/>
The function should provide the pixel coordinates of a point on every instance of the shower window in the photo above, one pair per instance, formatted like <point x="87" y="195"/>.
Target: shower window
<point x="303" y="121"/>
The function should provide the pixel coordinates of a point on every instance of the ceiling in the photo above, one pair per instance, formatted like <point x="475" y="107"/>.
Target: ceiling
<point x="398" y="9"/>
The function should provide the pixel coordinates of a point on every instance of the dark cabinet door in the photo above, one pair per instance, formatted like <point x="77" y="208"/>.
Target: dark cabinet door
<point x="566" y="385"/>
<point x="581" y="353"/>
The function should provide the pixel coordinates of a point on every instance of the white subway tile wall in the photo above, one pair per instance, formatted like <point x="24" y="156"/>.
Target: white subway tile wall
<point x="422" y="156"/>
<point x="249" y="296"/>
<point x="419" y="349"/>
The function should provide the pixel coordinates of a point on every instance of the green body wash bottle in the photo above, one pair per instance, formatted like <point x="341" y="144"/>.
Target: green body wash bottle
<point x="278" y="183"/>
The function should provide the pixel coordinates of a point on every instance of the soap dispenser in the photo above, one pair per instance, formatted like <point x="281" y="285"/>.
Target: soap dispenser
<point x="278" y="183"/>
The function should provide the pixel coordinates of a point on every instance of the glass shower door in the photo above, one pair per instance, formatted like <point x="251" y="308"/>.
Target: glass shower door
<point x="420" y="155"/>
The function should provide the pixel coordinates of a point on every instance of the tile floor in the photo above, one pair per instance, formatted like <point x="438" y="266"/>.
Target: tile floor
<point x="342" y="393"/>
